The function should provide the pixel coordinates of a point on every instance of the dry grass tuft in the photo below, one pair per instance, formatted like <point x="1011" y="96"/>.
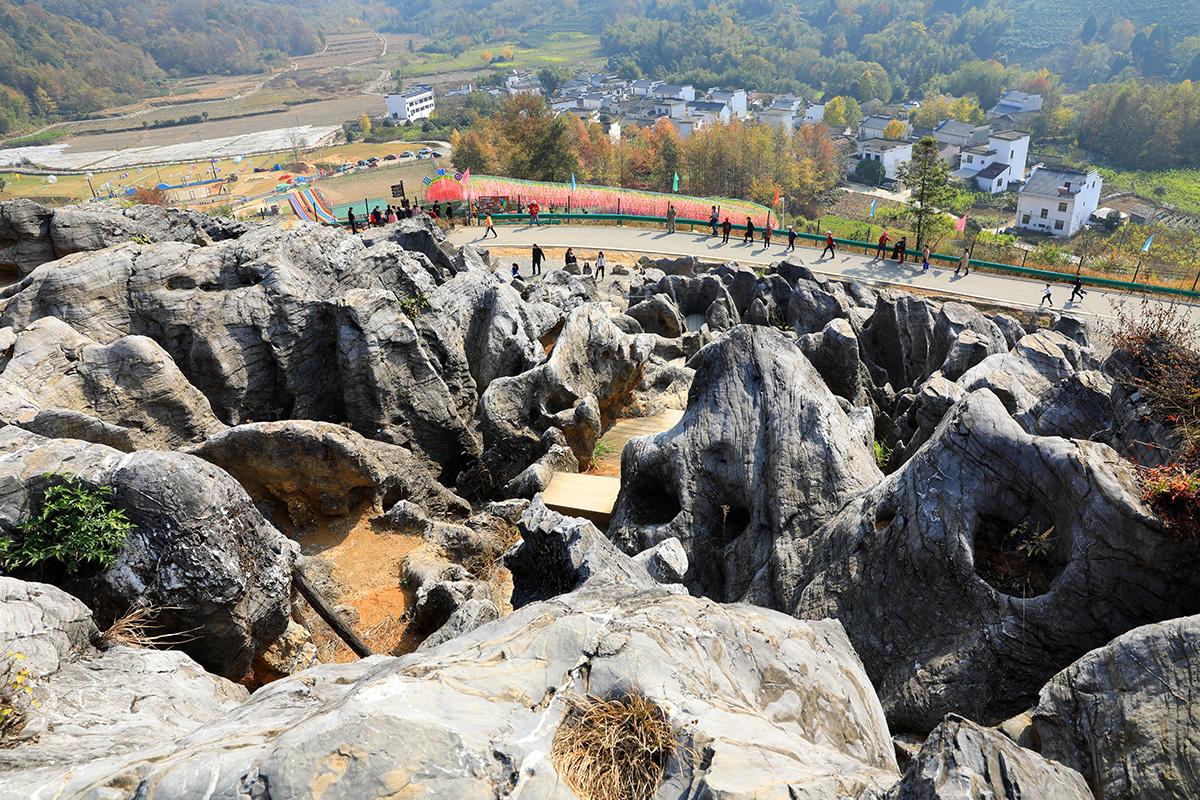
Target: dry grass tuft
<point x="613" y="749"/>
<point x="136" y="628"/>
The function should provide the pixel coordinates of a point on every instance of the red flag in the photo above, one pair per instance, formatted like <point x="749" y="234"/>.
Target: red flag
<point x="775" y="202"/>
<point x="961" y="225"/>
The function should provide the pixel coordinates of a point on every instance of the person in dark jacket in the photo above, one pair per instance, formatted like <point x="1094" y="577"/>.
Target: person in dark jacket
<point x="538" y="255"/>
<point x="749" y="237"/>
<point x="726" y="229"/>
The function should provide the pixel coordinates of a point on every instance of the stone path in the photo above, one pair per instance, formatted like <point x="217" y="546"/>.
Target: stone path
<point x="593" y="496"/>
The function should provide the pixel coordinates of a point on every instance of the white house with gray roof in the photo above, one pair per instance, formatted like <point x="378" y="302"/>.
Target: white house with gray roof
<point x="1058" y="201"/>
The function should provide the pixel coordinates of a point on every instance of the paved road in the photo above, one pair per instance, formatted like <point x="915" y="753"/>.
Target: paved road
<point x="984" y="287"/>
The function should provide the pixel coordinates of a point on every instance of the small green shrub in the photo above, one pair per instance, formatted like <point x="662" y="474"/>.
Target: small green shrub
<point x="883" y="454"/>
<point x="414" y="305"/>
<point x="601" y="450"/>
<point x="76" y="526"/>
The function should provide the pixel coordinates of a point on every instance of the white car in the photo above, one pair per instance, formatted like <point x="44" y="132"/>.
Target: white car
<point x="426" y="151"/>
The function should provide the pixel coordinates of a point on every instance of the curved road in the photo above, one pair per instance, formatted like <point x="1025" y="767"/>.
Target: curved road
<point x="983" y="287"/>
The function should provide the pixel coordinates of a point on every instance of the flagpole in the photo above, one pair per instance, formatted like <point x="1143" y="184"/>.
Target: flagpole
<point x="1139" y="267"/>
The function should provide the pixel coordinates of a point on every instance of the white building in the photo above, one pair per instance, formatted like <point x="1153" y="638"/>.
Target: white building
<point x="998" y="163"/>
<point x="1016" y="104"/>
<point x="888" y="153"/>
<point x="711" y="111"/>
<point x="1058" y="202"/>
<point x="736" y="99"/>
<point x="814" y="113"/>
<point x="672" y="91"/>
<point x="961" y="134"/>
<point x="782" y="118"/>
<point x="413" y="104"/>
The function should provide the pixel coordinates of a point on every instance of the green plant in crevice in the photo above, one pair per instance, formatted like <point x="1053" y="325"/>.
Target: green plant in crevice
<point x="76" y="525"/>
<point x="883" y="454"/>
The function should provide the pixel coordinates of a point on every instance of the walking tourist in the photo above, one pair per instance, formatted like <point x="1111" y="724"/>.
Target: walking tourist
<point x="538" y="255"/>
<point x="672" y="215"/>
<point x="925" y="258"/>
<point x="1046" y="298"/>
<point x="964" y="263"/>
<point x="791" y="239"/>
<point x="1077" y="289"/>
<point x="767" y="236"/>
<point x="900" y="251"/>
<point x="489" y="227"/>
<point x="726" y="228"/>
<point x="601" y="263"/>
<point x="713" y="220"/>
<point x="534" y="210"/>
<point x="829" y="245"/>
<point x="350" y="219"/>
<point x="749" y="237"/>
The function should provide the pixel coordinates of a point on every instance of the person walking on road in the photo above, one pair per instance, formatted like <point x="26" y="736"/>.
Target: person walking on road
<point x="1046" y="298"/>
<point x="881" y="250"/>
<point x="1077" y="289"/>
<point x="538" y="255"/>
<point x="749" y="237"/>
<point x="767" y="236"/>
<point x="712" y="221"/>
<point x="601" y="263"/>
<point x="726" y="228"/>
<point x="964" y="263"/>
<point x="791" y="239"/>
<point x="672" y="215"/>
<point x="900" y="251"/>
<point x="829" y="245"/>
<point x="925" y="258"/>
<point x="489" y="227"/>
<point x="534" y="210"/>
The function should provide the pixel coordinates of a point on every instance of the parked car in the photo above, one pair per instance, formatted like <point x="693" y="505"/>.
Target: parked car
<point x="362" y="162"/>
<point x="390" y="157"/>
<point x="406" y="154"/>
<point x="425" y="151"/>
<point x="436" y="154"/>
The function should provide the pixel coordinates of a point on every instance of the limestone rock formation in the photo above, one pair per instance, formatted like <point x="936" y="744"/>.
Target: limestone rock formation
<point x="200" y="551"/>
<point x="762" y="705"/>
<point x="763" y="456"/>
<point x="89" y="703"/>
<point x="964" y="761"/>
<point x="128" y="395"/>
<point x="1125" y="714"/>
<point x="990" y="560"/>
<point x="31" y="234"/>
<point x="309" y="470"/>
<point x="579" y="390"/>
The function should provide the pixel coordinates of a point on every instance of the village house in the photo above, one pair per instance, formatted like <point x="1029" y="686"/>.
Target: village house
<point x="961" y="134"/>
<point x="890" y="154"/>
<point x="1002" y="161"/>
<point x="872" y="127"/>
<point x="1015" y="108"/>
<point x="1058" y="201"/>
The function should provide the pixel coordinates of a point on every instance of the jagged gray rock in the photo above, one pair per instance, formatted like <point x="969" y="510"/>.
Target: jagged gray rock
<point x="579" y="390"/>
<point x="31" y="234"/>
<point x="199" y="551"/>
<point x="945" y="609"/>
<point x="128" y="395"/>
<point x="1125" y="714"/>
<point x="763" y="455"/>
<point x="308" y="470"/>
<point x="964" y="761"/>
<point x="658" y="314"/>
<point x="476" y="717"/>
<point x="92" y="703"/>
<point x="835" y="353"/>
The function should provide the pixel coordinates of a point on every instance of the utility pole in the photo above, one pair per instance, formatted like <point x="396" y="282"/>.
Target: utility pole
<point x="90" y="186"/>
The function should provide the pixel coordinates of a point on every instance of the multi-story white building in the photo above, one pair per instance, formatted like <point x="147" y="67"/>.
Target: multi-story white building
<point x="736" y="99"/>
<point x="1058" y="201"/>
<point x="888" y="153"/>
<point x="413" y="104"/>
<point x="998" y="163"/>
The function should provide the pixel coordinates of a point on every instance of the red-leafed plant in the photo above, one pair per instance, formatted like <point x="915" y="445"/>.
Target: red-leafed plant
<point x="1173" y="491"/>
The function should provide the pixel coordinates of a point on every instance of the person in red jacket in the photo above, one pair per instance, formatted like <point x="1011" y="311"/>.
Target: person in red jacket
<point x="829" y="245"/>
<point x="881" y="250"/>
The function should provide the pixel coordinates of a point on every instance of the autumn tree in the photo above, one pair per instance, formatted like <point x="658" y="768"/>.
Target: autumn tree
<point x="843" y="112"/>
<point x="895" y="131"/>
<point x="927" y="178"/>
<point x="364" y="124"/>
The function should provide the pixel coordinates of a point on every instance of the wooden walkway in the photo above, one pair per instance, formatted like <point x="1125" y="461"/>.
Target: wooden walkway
<point x="592" y="496"/>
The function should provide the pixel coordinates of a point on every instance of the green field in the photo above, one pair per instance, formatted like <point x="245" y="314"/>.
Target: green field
<point x="1178" y="187"/>
<point x="1042" y="25"/>
<point x="564" y="48"/>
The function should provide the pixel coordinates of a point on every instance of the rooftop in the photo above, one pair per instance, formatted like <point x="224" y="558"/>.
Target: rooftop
<point x="1011" y="136"/>
<point x="883" y="144"/>
<point x="992" y="171"/>
<point x="1047" y="182"/>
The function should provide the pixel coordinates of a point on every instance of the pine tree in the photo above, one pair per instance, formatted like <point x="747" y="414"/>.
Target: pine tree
<point x="927" y="177"/>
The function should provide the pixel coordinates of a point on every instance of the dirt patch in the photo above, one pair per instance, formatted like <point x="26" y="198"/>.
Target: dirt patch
<point x="365" y="561"/>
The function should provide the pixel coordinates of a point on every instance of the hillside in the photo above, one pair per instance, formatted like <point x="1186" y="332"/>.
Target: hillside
<point x="1043" y="25"/>
<point x="61" y="58"/>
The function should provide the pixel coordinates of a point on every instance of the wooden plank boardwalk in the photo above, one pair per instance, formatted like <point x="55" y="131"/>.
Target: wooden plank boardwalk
<point x="593" y="495"/>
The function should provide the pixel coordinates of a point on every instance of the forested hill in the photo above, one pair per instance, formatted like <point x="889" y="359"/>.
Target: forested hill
<point x="785" y="45"/>
<point x="71" y="57"/>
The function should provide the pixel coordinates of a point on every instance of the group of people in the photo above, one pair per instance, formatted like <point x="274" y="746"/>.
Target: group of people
<point x="538" y="257"/>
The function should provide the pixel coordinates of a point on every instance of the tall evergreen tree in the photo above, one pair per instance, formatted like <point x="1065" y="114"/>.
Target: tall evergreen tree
<point x="927" y="177"/>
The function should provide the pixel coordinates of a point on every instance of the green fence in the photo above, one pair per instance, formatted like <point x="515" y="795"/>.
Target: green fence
<point x="1013" y="269"/>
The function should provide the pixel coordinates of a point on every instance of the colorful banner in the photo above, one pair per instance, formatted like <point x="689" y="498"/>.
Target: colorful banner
<point x="611" y="200"/>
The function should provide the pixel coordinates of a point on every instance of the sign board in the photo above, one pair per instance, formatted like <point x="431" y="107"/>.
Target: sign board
<point x="398" y="189"/>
